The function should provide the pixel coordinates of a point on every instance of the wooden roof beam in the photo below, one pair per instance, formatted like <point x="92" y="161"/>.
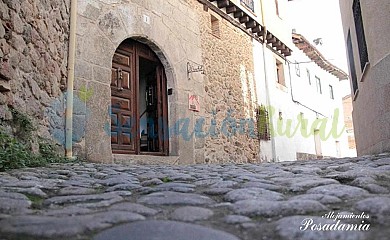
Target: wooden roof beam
<point x="231" y="9"/>
<point x="269" y="36"/>
<point x="261" y="33"/>
<point x="251" y="24"/>
<point x="223" y="3"/>
<point x="256" y="29"/>
<point x="277" y="44"/>
<point x="272" y="40"/>
<point x="286" y="52"/>
<point x="239" y="14"/>
<point x="244" y="19"/>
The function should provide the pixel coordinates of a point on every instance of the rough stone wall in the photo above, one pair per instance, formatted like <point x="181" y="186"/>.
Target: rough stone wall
<point x="33" y="60"/>
<point x="229" y="91"/>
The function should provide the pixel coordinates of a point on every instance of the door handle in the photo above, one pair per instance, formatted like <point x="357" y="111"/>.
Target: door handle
<point x="120" y="74"/>
<point x="119" y="79"/>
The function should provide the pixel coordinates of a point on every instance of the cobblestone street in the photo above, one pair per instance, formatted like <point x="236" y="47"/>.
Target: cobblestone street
<point x="288" y="200"/>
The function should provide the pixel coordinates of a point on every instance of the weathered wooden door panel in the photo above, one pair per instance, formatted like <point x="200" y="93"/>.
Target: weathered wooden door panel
<point x="125" y="133"/>
<point x="162" y="110"/>
<point x="123" y="129"/>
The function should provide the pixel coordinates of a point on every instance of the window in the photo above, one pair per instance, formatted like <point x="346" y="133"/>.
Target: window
<point x="331" y="92"/>
<point x="297" y="69"/>
<point x="215" y="26"/>
<point x="263" y="123"/>
<point x="351" y="62"/>
<point x="318" y="84"/>
<point x="280" y="73"/>
<point x="361" y="39"/>
<point x="308" y="76"/>
<point x="249" y="4"/>
<point x="277" y="7"/>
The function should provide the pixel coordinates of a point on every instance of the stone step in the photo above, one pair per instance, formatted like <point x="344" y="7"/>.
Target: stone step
<point x="145" y="159"/>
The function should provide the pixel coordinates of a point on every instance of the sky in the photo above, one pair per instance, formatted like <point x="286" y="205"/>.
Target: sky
<point x="321" y="19"/>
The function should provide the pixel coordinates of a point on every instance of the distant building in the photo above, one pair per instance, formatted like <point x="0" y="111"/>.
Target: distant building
<point x="348" y="108"/>
<point x="367" y="33"/>
<point x="305" y="87"/>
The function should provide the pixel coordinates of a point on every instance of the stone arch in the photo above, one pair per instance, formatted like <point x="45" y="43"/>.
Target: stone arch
<point x="97" y="141"/>
<point x="170" y="80"/>
<point x="169" y="70"/>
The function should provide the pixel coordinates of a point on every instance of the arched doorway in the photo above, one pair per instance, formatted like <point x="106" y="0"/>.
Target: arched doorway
<point x="139" y="109"/>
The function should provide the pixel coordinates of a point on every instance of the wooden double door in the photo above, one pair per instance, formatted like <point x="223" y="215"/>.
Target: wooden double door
<point x="139" y="109"/>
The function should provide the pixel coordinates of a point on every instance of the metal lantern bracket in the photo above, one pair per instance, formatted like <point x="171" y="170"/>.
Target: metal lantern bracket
<point x="194" y="67"/>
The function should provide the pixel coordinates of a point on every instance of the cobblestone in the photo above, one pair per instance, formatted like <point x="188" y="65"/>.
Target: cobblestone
<point x="378" y="207"/>
<point x="252" y="193"/>
<point x="163" y="230"/>
<point x="234" y="219"/>
<point x="191" y="214"/>
<point x="175" y="198"/>
<point x="255" y="208"/>
<point x="340" y="191"/>
<point x="227" y="202"/>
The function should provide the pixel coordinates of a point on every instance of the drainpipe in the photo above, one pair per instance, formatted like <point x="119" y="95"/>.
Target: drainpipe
<point x="268" y="99"/>
<point x="69" y="95"/>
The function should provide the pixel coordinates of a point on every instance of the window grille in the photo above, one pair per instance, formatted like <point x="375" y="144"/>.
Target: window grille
<point x="297" y="69"/>
<point x="263" y="127"/>
<point x="280" y="73"/>
<point x="318" y="84"/>
<point x="308" y="76"/>
<point x="351" y="62"/>
<point x="331" y="94"/>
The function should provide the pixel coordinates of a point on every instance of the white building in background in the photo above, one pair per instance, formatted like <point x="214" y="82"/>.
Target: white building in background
<point x="306" y="111"/>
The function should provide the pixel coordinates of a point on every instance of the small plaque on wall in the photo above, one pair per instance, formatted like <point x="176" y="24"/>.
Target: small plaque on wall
<point x="193" y="102"/>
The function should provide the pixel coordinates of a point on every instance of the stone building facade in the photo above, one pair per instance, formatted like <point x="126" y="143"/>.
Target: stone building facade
<point x="170" y="29"/>
<point x="180" y="34"/>
<point x="155" y="81"/>
<point x="229" y="85"/>
<point x="366" y="32"/>
<point x="33" y="61"/>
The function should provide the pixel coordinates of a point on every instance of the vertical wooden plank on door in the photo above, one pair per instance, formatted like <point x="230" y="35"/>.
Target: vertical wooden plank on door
<point x="122" y="100"/>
